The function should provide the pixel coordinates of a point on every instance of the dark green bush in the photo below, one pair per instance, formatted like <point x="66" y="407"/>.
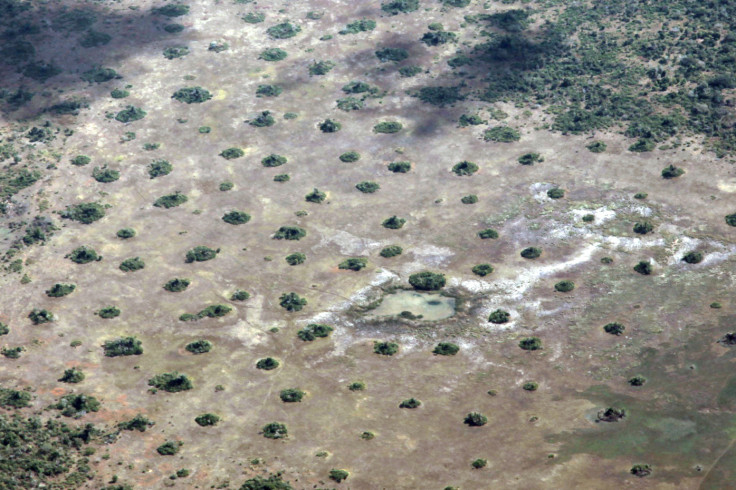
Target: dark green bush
<point x="475" y="419"/>
<point x="353" y="264"/>
<point x="132" y="264"/>
<point x="391" y="251"/>
<point x="643" y="145"/>
<point x="284" y="30"/>
<point x="124" y="346"/>
<point x="614" y="328"/>
<point x="387" y="127"/>
<point x="171" y="200"/>
<point x="410" y="403"/>
<point x="565" y="286"/>
<point x="356" y="386"/>
<point x="130" y="114"/>
<point x="501" y="134"/>
<point x="192" y="95"/>
<point x="236" y="218"/>
<point x="273" y="54"/>
<point x="499" y="316"/>
<point x="357" y="87"/>
<point x="173" y="28"/>
<point x="385" y="348"/>
<point x="171" y="382"/>
<point x="641" y="470"/>
<point x="290" y="233"/>
<point x="292" y="302"/>
<point x="588" y="218"/>
<point x="671" y="172"/>
<point x="100" y="75"/>
<point x="81" y="160"/>
<point x="313" y="331"/>
<point x="693" y="257"/>
<point x="85" y="213"/>
<point x="731" y="219"/>
<point x="77" y="405"/>
<point x="12" y="352"/>
<point x="330" y="126"/>
<point x="273" y="160"/>
<point x="231" y="153"/>
<point x="556" y="193"/>
<point x="207" y="419"/>
<point x="212" y="311"/>
<point x="367" y="187"/>
<point x="339" y="475"/>
<point x="226" y="186"/>
<point x="393" y="223"/>
<point x="319" y="68"/>
<point x="119" y="94"/>
<point x="637" y="381"/>
<point x="440" y="96"/>
<point x="173" y="52"/>
<point x="200" y="254"/>
<point x="159" y="168"/>
<point x="611" y="414"/>
<point x="362" y="25"/>
<point x="177" y="285"/>
<point x="105" y="175"/>
<point x="273" y="482"/>
<point x="239" y="295"/>
<point x="295" y="258"/>
<point x="469" y="199"/>
<point x="530" y="386"/>
<point x="597" y="147"/>
<point x="350" y="157"/>
<point x="169" y="448"/>
<point x="254" y="18"/>
<point x="274" y="430"/>
<point x="315" y="196"/>
<point x="4" y="329"/>
<point x="465" y="168"/>
<point x="39" y="317"/>
<point x="108" y="312"/>
<point x="446" y="349"/>
<point x="267" y="364"/>
<point x="348" y="104"/>
<point x="125" y="233"/>
<point x="263" y="120"/>
<point x="643" y="227"/>
<point x="72" y="375"/>
<point x="530" y="158"/>
<point x="482" y="270"/>
<point x="488" y="233"/>
<point x="531" y="252"/>
<point x="427" y="281"/>
<point x="644" y="267"/>
<point x="410" y="71"/>
<point x="291" y="395"/>
<point x="395" y="7"/>
<point x="399" y="167"/>
<point x="83" y="255"/>
<point x="268" y="91"/>
<point x="530" y="343"/>
<point x="479" y="463"/>
<point x="392" y="54"/>
<point x="470" y="120"/>
<point x="172" y="10"/>
<point x="139" y="423"/>
<point x="437" y="38"/>
<point x="199" y="346"/>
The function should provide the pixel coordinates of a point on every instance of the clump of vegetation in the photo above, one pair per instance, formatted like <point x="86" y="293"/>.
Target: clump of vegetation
<point x="368" y="187"/>
<point x="139" y="423"/>
<point x="637" y="381"/>
<point x="556" y="193"/>
<point x="295" y="258"/>
<point x="291" y="395"/>
<point x="597" y="147"/>
<point x="290" y="233"/>
<point x="731" y="219"/>
<point x="108" y="312"/>
<point x="226" y="186"/>
<point x="177" y="285"/>
<point x="350" y="157"/>
<point x="273" y="160"/>
<point x="284" y="30"/>
<point x="465" y="168"/>
<point x="348" y="104"/>
<point x="171" y="382"/>
<point x="644" y="267"/>
<point x="387" y="127"/>
<point x="469" y="199"/>
<point x="393" y="223"/>
<point x="173" y="52"/>
<point x="356" y="386"/>
<point x="440" y="96"/>
<point x="172" y="10"/>
<point x="671" y="172"/>
<point x="267" y="364"/>
<point x="212" y="311"/>
<point x="105" y="175"/>
<point x="239" y="295"/>
<point x="530" y="386"/>
<point x="12" y="352"/>
<point x="119" y="93"/>
<point x="273" y="482"/>
<point x="207" y="419"/>
<point x="130" y="114"/>
<point x="132" y="264"/>
<point x="399" y="167"/>
<point x="392" y="54"/>
<point x="236" y="217"/>
<point x="530" y="343"/>
<point x="126" y="233"/>
<point x="171" y="200"/>
<point x="438" y="37"/>
<point x="446" y="349"/>
<point x="353" y="263"/>
<point x="565" y="286"/>
<point x="275" y="430"/>
<point x="588" y="218"/>
<point x="83" y="255"/>
<point x="232" y="153"/>
<point x="81" y="160"/>
<point x="39" y="317"/>
<point x="330" y="126"/>
<point x="427" y="281"/>
<point x="475" y="419"/>
<point x="391" y="251"/>
<point x="531" y="252"/>
<point x="159" y="168"/>
<point x="410" y="71"/>
<point x="77" y="405"/>
<point x="72" y="375"/>
<point x="100" y="75"/>
<point x="268" y="91"/>
<point x="501" y="134"/>
<point x="124" y="346"/>
<point x="693" y="257"/>
<point x="313" y="331"/>
<point x="499" y="316"/>
<point x="611" y="414"/>
<point x="395" y="7"/>
<point x="169" y="448"/>
<point x="200" y="253"/>
<point x="273" y="54"/>
<point x="199" y="346"/>
<point x="642" y="145"/>
<point x="85" y="213"/>
<point x="362" y="25"/>
<point x="385" y="348"/>
<point x="488" y="233"/>
<point x="530" y="158"/>
<point x="470" y="120"/>
<point x="479" y="463"/>
<point x="173" y="28"/>
<point x="482" y="270"/>
<point x="641" y="470"/>
<point x="262" y="120"/>
<point x="315" y="196"/>
<point x="614" y="328"/>
<point x="319" y="68"/>
<point x="192" y="95"/>
<point x="643" y="227"/>
<point x="410" y="403"/>
<point x="339" y="475"/>
<point x="292" y="302"/>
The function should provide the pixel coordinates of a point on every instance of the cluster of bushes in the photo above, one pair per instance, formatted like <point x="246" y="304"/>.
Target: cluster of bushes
<point x="124" y="346"/>
<point x="313" y="331"/>
<point x="367" y="187"/>
<point x="446" y="349"/>
<point x="353" y="264"/>
<point x="275" y="430"/>
<point x="273" y="54"/>
<point x="85" y="213"/>
<point x="316" y="196"/>
<point x="482" y="270"/>
<point x="427" y="281"/>
<point x="130" y="114"/>
<point x="399" y="167"/>
<point x="83" y="255"/>
<point x="232" y="153"/>
<point x="292" y="302"/>
<point x="385" y="348"/>
<point x="177" y="285"/>
<point x="173" y="52"/>
<point x="387" y="127"/>
<point x="410" y="403"/>
<point x="105" y="175"/>
<point x="530" y="343"/>
<point x="330" y="126"/>
<point x="284" y="30"/>
<point x="108" y="312"/>
<point x="171" y="382"/>
<point x="267" y="364"/>
<point x="39" y="317"/>
<point x="239" y="295"/>
<point x="207" y="419"/>
<point x="132" y="264"/>
<point x="200" y="253"/>
<point x="212" y="311"/>
<point x="499" y="316"/>
<point x="236" y="217"/>
<point x="199" y="346"/>
<point x="169" y="448"/>
<point x="72" y="375"/>
<point x="391" y="251"/>
<point x="362" y="25"/>
<point x="319" y="68"/>
<point x="77" y="405"/>
<point x="501" y="134"/>
<point x="139" y="423"/>
<point x="125" y="233"/>
<point x="392" y="54"/>
<point x="350" y="157"/>
<point x="531" y="253"/>
<point x="295" y="258"/>
<point x="393" y="223"/>
<point x="290" y="233"/>
<point x="58" y="290"/>
<point x="171" y="200"/>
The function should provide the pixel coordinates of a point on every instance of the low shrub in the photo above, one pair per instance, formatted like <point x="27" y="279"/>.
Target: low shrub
<point x="281" y="178"/>
<point x="212" y="311"/>
<point x="130" y="114"/>
<point x="410" y="71"/>
<point x="530" y="386"/>
<point x="105" y="175"/>
<point x="479" y="463"/>
<point x="499" y="316"/>
<point x="367" y="436"/>
<point x="392" y="54"/>
<point x="267" y="364"/>
<point x="177" y="285"/>
<point x="387" y="127"/>
<point x="637" y="381"/>
<point x="641" y="470"/>
<point x="108" y="312"/>
<point x="395" y="7"/>
<point x="531" y="252"/>
<point x="239" y="295"/>
<point x="173" y="28"/>
<point x="588" y="218"/>
<point x="99" y="75"/>
<point x="253" y="18"/>
<point x="350" y="157"/>
<point x="565" y="286"/>
<point x="482" y="270"/>
<point x="172" y="10"/>
<point x="126" y="233"/>
<point x="391" y="251"/>
<point x="170" y="200"/>
<point x="611" y="414"/>
<point x="132" y="264"/>
<point x="232" y="153"/>
<point x="731" y="219"/>
<point x="643" y="227"/>
<point x="438" y="37"/>
<point x="530" y="158"/>
<point x="199" y="346"/>
<point x="313" y="331"/>
<point x="268" y="91"/>
<point x="556" y="193"/>
<point x="207" y="419"/>
<point x="614" y="328"/>
<point x="226" y="186"/>
<point x="263" y="120"/>
<point x="4" y="329"/>
<point x="169" y="448"/>
<point x="446" y="349"/>
<point x="292" y="302"/>
<point x="385" y="348"/>
<point x="200" y="254"/>
<point x="530" y="343"/>
<point x="693" y="257"/>
<point x="356" y="386"/>
<point x="284" y="30"/>
<point x="427" y="281"/>
<point x="644" y="267"/>
<point x="123" y="346"/>
<point x="330" y="126"/>
<point x="672" y="172"/>
<point x="72" y="375"/>
<point x="291" y="395"/>
<point x="469" y="199"/>
<point x="83" y="255"/>
<point x="319" y="68"/>
<point x="315" y="196"/>
<point x="642" y="145"/>
<point x="273" y="160"/>
<point x="475" y="419"/>
<point x="393" y="223"/>
<point x="488" y="233"/>
<point x="470" y="120"/>
<point x="410" y="403"/>
<point x="597" y="147"/>
<point x="339" y="475"/>
<point x="85" y="213"/>
<point x="171" y="382"/>
<point x="12" y="352"/>
<point x="139" y="423"/>
<point x="465" y="168"/>
<point x="275" y="430"/>
<point x="81" y="160"/>
<point x="399" y="167"/>
<point x="290" y="233"/>
<point x="236" y="217"/>
<point x="173" y="52"/>
<point x="353" y="264"/>
<point x="501" y="134"/>
<point x="348" y="104"/>
<point x="159" y="168"/>
<point x="39" y="317"/>
<point x="295" y="258"/>
<point x="367" y="187"/>
<point x="273" y="482"/>
<point x="77" y="405"/>
<point x="273" y="54"/>
<point x="362" y="25"/>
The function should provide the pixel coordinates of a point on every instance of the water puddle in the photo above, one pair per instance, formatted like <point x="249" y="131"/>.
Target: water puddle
<point x="427" y="305"/>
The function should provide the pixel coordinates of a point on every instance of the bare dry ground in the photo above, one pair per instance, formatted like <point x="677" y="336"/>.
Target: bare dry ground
<point x="681" y="422"/>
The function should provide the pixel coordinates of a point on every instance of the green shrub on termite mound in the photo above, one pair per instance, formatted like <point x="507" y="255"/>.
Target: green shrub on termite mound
<point x="13" y="398"/>
<point x="350" y="157"/>
<point x="313" y="331"/>
<point x="284" y="30"/>
<point x="399" y="167"/>
<point x="367" y="187"/>
<point x="295" y="258"/>
<point x="77" y="405"/>
<point x="130" y="114"/>
<point x="267" y="364"/>
<point x="105" y="175"/>
<point x="488" y="233"/>
<point x="643" y="227"/>
<point x="290" y="233"/>
<point x="597" y="147"/>
<point x="530" y="343"/>
<point x="236" y="217"/>
<point x="320" y="68"/>
<point x="316" y="196"/>
<point x="427" y="281"/>
<point x="362" y="25"/>
<point x="446" y="349"/>
<point x="391" y="251"/>
<point x="83" y="255"/>
<point x="672" y="172"/>
<point x="100" y="75"/>
<point x="192" y="95"/>
<point x="169" y="448"/>
<point x="482" y="270"/>
<point x="275" y="430"/>
<point x="159" y="168"/>
<point x="614" y="328"/>
<point x="108" y="312"/>
<point x="139" y="423"/>
<point x="531" y="253"/>
<point x="58" y="290"/>
<point x="172" y="10"/>
<point x="499" y="316"/>
<point x="85" y="213"/>
<point x="212" y="311"/>
<point x="644" y="267"/>
<point x="39" y="317"/>
<point x="392" y="54"/>
<point x="393" y="223"/>
<point x="410" y="403"/>
<point x="385" y="348"/>
<point x="239" y="295"/>
<point x="207" y="419"/>
<point x="200" y="254"/>
<point x="475" y="419"/>
<point x="565" y="286"/>
<point x="81" y="160"/>
<point x="72" y="375"/>
<point x="501" y="134"/>
<point x="530" y="158"/>
<point x="339" y="475"/>
<point x="387" y="127"/>
<point x="232" y="153"/>
<point x="330" y="126"/>
<point x="693" y="257"/>
<point x="124" y="346"/>
<point x="171" y="382"/>
<point x="273" y="160"/>
<point x="469" y="199"/>
<point x="292" y="302"/>
<point x="126" y="233"/>
<point x="174" y="52"/>
<point x="171" y="200"/>
<point x="395" y="7"/>
<point x="273" y="54"/>
<point x="273" y="482"/>
<point x="353" y="264"/>
<point x="199" y="346"/>
<point x="292" y="395"/>
<point x="119" y="93"/>
<point x="132" y="264"/>
<point x="465" y="168"/>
